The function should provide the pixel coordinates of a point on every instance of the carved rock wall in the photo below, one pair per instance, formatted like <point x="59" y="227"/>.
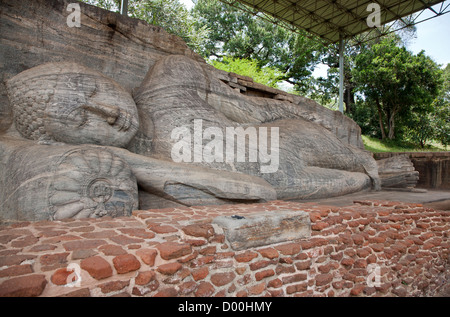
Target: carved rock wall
<point x="433" y="167"/>
<point x="36" y="32"/>
<point x="122" y="48"/>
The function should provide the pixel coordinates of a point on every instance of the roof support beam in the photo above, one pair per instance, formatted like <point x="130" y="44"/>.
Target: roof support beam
<point x="341" y="73"/>
<point x="124" y="7"/>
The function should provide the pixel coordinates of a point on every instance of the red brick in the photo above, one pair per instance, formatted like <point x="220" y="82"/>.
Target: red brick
<point x="63" y="276"/>
<point x="202" y="230"/>
<point x="363" y="252"/>
<point x="169" y="268"/>
<point x="126" y="263"/>
<point x="261" y="264"/>
<point x="112" y="249"/>
<point x="358" y="239"/>
<point x="163" y="229"/>
<point x="357" y="290"/>
<point x="187" y="288"/>
<point x="220" y="279"/>
<point x="269" y="253"/>
<point x="301" y="287"/>
<point x="347" y="261"/>
<point x="294" y="278"/>
<point x="323" y="279"/>
<point x="97" y="267"/>
<point x="275" y="283"/>
<point x="203" y="260"/>
<point x="23" y="286"/>
<point x="280" y="269"/>
<point x="318" y="226"/>
<point x="83" y="244"/>
<point x="208" y="250"/>
<point x="200" y="274"/>
<point x="147" y="256"/>
<point x="257" y="289"/>
<point x="247" y="256"/>
<point x="125" y="240"/>
<point x="314" y="216"/>
<point x="241" y="294"/>
<point x="113" y="286"/>
<point x="360" y="263"/>
<point x="377" y="247"/>
<point x="55" y="258"/>
<point x="204" y="289"/>
<point x="105" y="234"/>
<point x="138" y="232"/>
<point x="327" y="267"/>
<point x="24" y="242"/>
<point x="168" y="292"/>
<point x="16" y="270"/>
<point x="143" y="278"/>
<point x="263" y="274"/>
<point x="303" y="265"/>
<point x="337" y="256"/>
<point x="173" y="250"/>
<point x="289" y="248"/>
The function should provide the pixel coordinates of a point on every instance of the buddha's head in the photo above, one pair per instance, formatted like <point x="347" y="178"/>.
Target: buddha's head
<point x="67" y="102"/>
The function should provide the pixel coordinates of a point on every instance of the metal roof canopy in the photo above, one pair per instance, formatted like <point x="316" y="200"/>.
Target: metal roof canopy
<point x="332" y="19"/>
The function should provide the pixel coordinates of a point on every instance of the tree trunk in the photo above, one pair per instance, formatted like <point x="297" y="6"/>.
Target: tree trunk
<point x="391" y="134"/>
<point x="380" y="119"/>
<point x="349" y="99"/>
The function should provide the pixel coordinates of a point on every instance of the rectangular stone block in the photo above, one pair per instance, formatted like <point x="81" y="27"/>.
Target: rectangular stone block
<point x="259" y="229"/>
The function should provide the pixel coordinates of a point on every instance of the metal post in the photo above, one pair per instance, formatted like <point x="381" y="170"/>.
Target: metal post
<point x="124" y="7"/>
<point x="341" y="73"/>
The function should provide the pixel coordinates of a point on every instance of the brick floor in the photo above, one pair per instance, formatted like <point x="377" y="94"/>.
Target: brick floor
<point x="178" y="252"/>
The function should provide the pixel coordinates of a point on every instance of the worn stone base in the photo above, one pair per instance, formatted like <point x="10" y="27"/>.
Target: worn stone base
<point x="371" y="248"/>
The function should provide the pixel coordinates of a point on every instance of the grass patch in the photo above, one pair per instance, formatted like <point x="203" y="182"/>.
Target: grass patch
<point x="375" y="145"/>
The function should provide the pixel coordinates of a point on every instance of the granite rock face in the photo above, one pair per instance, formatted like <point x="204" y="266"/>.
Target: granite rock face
<point x="117" y="115"/>
<point x="179" y="93"/>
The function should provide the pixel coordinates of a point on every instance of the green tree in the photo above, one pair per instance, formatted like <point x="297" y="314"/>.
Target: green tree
<point x="239" y="34"/>
<point x="171" y="15"/>
<point x="398" y="82"/>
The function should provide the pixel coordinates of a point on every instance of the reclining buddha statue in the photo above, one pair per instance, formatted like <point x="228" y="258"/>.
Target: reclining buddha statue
<point x="83" y="146"/>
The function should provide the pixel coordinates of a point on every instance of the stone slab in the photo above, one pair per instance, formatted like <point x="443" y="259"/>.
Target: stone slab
<point x="243" y="232"/>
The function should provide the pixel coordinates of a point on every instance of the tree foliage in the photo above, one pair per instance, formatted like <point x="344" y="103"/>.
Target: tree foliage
<point x="171" y="15"/>
<point x="239" y="34"/>
<point x="399" y="83"/>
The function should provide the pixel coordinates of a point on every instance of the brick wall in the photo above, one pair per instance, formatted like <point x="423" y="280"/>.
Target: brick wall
<point x="371" y="248"/>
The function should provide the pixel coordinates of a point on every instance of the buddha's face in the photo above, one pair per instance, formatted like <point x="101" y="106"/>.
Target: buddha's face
<point x="91" y="110"/>
<point x="67" y="102"/>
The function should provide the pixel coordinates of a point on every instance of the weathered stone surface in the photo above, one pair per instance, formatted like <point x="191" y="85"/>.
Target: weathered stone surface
<point x="397" y="172"/>
<point x="70" y="103"/>
<point x="127" y="107"/>
<point x="263" y="229"/>
<point x="179" y="93"/>
<point x="56" y="182"/>
<point x="120" y="47"/>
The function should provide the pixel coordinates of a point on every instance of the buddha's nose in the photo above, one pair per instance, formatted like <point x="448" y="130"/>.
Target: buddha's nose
<point x="111" y="113"/>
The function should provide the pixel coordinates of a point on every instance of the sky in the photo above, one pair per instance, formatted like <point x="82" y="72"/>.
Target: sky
<point x="433" y="36"/>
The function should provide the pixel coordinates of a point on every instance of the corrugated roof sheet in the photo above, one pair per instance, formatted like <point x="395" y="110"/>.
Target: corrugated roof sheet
<point x="330" y="18"/>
